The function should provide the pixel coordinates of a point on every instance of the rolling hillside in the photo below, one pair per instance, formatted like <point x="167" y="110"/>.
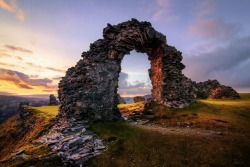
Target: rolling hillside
<point x="208" y="133"/>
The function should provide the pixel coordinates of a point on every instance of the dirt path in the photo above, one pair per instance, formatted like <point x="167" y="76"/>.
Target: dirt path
<point x="184" y="131"/>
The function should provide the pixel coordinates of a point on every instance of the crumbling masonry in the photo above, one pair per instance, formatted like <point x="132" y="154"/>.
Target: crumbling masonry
<point x="89" y="89"/>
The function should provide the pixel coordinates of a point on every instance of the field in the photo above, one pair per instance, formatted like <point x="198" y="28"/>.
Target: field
<point x="209" y="133"/>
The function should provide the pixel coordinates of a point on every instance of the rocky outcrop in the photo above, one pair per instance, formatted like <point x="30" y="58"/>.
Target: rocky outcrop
<point x="52" y="100"/>
<point x="214" y="90"/>
<point x="224" y="92"/>
<point x="121" y="100"/>
<point x="138" y="99"/>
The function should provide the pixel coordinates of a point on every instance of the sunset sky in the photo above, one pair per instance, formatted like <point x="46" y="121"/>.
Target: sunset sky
<point x="41" y="39"/>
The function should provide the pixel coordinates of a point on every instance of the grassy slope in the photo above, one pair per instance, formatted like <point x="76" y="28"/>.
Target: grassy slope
<point x="132" y="146"/>
<point x="16" y="136"/>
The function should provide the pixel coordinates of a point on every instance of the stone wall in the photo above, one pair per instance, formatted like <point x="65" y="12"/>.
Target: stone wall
<point x="120" y="99"/>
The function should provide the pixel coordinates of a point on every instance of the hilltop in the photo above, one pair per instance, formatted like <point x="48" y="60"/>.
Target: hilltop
<point x="207" y="133"/>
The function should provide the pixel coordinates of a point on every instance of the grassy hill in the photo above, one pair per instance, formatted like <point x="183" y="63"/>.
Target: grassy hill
<point x="18" y="146"/>
<point x="207" y="133"/>
<point x="9" y="104"/>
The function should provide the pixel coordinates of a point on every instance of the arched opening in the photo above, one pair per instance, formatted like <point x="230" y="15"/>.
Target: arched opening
<point x="134" y="77"/>
<point x="89" y="89"/>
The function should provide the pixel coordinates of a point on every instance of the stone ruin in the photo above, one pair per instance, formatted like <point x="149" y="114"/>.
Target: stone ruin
<point x="120" y="99"/>
<point x="212" y="89"/>
<point x="89" y="89"/>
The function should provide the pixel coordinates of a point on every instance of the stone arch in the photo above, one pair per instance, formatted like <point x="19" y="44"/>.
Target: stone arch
<point x="89" y="89"/>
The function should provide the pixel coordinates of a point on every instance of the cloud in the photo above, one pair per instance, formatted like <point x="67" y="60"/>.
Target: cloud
<point x="45" y="68"/>
<point x="135" y="88"/>
<point x="22" y="80"/>
<point x="8" y="65"/>
<point x="229" y="64"/>
<point x="213" y="29"/>
<point x="208" y="27"/>
<point x="57" y="78"/>
<point x="23" y="86"/>
<point x="160" y="10"/>
<point x="48" y="90"/>
<point x="33" y="65"/>
<point x="18" y="57"/>
<point x="203" y="9"/>
<point x="11" y="6"/>
<point x="221" y="53"/>
<point x="55" y="69"/>
<point x="7" y="93"/>
<point x="163" y="3"/>
<point x="20" y="49"/>
<point x="3" y="54"/>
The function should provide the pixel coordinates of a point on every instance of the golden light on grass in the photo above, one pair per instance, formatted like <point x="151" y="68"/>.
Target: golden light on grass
<point x="47" y="111"/>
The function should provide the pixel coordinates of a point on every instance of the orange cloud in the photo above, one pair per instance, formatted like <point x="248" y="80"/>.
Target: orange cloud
<point x="8" y="65"/>
<point x="11" y="6"/>
<point x="3" y="54"/>
<point x="20" y="49"/>
<point x="48" y="90"/>
<point x="24" y="81"/>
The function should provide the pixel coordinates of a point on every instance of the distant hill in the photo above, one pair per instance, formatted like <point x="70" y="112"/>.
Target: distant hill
<point x="147" y="96"/>
<point x="9" y="104"/>
<point x="130" y="100"/>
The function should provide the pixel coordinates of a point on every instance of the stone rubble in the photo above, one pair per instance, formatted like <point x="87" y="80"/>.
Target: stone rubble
<point x="71" y="141"/>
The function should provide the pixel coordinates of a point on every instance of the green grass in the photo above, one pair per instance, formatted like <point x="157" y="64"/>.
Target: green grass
<point x="228" y="103"/>
<point x="132" y="106"/>
<point x="15" y="136"/>
<point x="245" y="96"/>
<point x="132" y="146"/>
<point x="205" y="113"/>
<point x="47" y="111"/>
